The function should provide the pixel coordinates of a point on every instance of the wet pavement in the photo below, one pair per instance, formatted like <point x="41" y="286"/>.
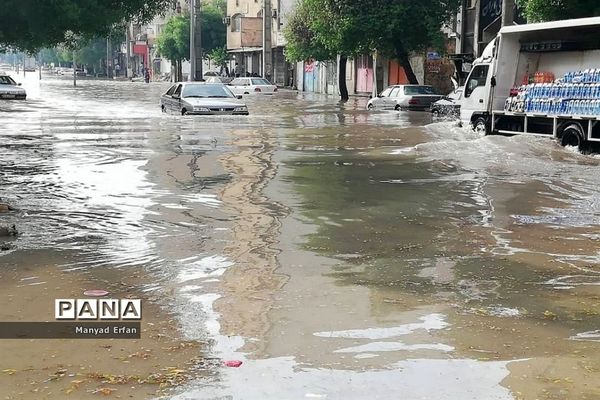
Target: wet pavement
<point x="339" y="253"/>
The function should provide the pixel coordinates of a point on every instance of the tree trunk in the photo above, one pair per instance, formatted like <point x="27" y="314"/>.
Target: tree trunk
<point x="404" y="61"/>
<point x="342" y="78"/>
<point x="179" y="74"/>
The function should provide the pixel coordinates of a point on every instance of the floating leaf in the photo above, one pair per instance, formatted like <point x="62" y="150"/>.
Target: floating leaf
<point x="550" y="315"/>
<point x="104" y="391"/>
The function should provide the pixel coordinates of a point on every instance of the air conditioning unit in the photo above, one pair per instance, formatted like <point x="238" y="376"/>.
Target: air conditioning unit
<point x="274" y="13"/>
<point x="227" y="21"/>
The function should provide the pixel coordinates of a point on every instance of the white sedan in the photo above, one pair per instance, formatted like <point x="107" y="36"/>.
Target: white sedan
<point x="405" y="97"/>
<point x="9" y="89"/>
<point x="241" y="86"/>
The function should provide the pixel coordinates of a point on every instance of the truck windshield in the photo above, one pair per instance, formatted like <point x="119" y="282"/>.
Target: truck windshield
<point x="477" y="78"/>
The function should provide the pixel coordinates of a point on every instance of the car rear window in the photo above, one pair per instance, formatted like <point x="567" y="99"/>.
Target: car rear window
<point x="260" y="82"/>
<point x="412" y="90"/>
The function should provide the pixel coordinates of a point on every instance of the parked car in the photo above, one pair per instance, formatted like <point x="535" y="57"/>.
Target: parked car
<point x="448" y="105"/>
<point x="218" y="79"/>
<point x="252" y="86"/>
<point x="405" y="97"/>
<point x="202" y="98"/>
<point x="9" y="89"/>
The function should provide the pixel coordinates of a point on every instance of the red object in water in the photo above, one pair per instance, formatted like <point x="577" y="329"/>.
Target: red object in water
<point x="232" y="363"/>
<point x="95" y="293"/>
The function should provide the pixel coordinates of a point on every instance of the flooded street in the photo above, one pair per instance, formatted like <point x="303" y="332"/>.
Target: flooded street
<point x="338" y="253"/>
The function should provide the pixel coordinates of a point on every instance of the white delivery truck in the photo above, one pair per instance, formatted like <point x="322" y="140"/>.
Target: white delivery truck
<point x="538" y="79"/>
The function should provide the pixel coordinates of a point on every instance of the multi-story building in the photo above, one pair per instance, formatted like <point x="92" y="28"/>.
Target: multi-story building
<point x="245" y="22"/>
<point x="478" y="23"/>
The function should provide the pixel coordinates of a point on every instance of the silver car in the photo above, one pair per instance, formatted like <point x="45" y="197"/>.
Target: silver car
<point x="9" y="89"/>
<point x="405" y="97"/>
<point x="201" y="98"/>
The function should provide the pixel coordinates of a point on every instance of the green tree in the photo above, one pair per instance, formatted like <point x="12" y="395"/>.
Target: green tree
<point x="544" y="10"/>
<point x="395" y="28"/>
<point x="214" y="32"/>
<point x="319" y="32"/>
<point x="30" y="25"/>
<point x="219" y="56"/>
<point x="174" y="42"/>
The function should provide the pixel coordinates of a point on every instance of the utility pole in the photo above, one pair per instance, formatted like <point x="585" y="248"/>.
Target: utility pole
<point x="74" y="70"/>
<point x="267" y="58"/>
<point x="108" y="57"/>
<point x="199" y="52"/>
<point x="39" y="57"/>
<point x="192" y="76"/>
<point x="196" y="73"/>
<point x="128" y="51"/>
<point x="508" y="12"/>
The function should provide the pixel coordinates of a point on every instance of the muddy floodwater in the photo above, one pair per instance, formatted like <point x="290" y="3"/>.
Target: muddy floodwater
<point x="337" y="253"/>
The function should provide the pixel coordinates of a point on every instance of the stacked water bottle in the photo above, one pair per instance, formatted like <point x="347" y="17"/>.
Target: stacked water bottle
<point x="577" y="93"/>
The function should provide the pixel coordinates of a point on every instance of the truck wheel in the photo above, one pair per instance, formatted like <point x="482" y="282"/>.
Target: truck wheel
<point x="572" y="135"/>
<point x="480" y="126"/>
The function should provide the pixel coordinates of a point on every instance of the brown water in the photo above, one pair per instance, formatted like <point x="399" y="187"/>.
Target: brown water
<point x="339" y="253"/>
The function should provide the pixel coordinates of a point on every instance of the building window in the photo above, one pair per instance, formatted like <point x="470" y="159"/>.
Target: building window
<point x="236" y="23"/>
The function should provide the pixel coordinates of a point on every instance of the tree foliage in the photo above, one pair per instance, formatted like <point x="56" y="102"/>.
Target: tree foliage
<point x="214" y="32"/>
<point x="219" y="56"/>
<point x="173" y="42"/>
<point x="544" y="10"/>
<point x="321" y="29"/>
<point x="30" y="25"/>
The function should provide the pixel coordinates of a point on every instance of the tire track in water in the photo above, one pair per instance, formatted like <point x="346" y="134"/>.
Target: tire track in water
<point x="248" y="287"/>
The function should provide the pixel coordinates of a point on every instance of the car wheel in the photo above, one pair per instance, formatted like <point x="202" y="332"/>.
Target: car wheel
<point x="397" y="108"/>
<point x="435" y="113"/>
<point x="369" y="106"/>
<point x="184" y="112"/>
<point x="163" y="109"/>
<point x="480" y="126"/>
<point x="246" y="92"/>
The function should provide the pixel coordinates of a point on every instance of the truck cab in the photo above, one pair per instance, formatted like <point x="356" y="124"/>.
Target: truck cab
<point x="475" y="104"/>
<point x="538" y="79"/>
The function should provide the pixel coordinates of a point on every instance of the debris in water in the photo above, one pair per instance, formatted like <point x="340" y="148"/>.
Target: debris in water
<point x="232" y="363"/>
<point x="550" y="315"/>
<point x="8" y="231"/>
<point x="95" y="293"/>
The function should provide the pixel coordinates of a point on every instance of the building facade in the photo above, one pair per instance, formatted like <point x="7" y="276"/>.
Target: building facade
<point x="245" y="23"/>
<point x="478" y="23"/>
